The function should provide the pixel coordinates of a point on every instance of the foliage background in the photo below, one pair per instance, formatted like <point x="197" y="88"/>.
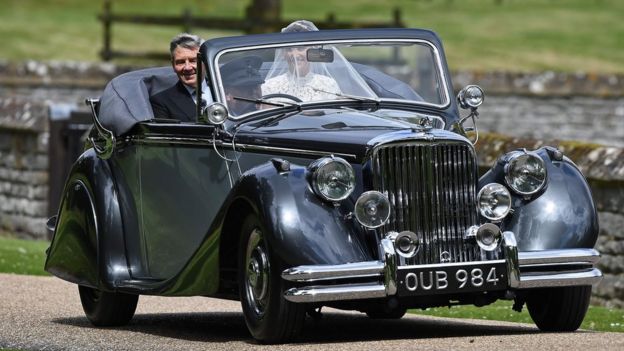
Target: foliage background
<point x="485" y="35"/>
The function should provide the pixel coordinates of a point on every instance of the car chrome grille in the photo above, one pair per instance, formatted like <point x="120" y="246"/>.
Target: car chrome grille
<point x="431" y="187"/>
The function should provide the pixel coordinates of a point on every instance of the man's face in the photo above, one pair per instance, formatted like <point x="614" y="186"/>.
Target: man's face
<point x="185" y="65"/>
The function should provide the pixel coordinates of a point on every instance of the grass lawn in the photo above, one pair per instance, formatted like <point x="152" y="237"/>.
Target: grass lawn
<point x="22" y="256"/>
<point x="527" y="35"/>
<point x="597" y="318"/>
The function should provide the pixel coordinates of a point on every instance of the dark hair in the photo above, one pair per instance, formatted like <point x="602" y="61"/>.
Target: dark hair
<point x="184" y="40"/>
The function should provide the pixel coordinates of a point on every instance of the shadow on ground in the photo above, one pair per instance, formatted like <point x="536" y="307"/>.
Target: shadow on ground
<point x="220" y="327"/>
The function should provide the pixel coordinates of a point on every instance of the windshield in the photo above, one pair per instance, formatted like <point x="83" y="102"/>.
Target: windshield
<point x="271" y="77"/>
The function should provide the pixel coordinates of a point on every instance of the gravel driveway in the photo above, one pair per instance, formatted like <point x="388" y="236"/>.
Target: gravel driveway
<point x="45" y="313"/>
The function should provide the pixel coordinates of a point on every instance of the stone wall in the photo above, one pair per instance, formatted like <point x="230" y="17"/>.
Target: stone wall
<point x="561" y="106"/>
<point x="31" y="93"/>
<point x="586" y="108"/>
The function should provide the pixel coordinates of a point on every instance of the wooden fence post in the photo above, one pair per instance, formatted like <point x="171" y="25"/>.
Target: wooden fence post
<point x="263" y="16"/>
<point x="187" y="20"/>
<point x="105" y="17"/>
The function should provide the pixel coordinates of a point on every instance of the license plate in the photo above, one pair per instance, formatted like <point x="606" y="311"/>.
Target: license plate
<point x="451" y="278"/>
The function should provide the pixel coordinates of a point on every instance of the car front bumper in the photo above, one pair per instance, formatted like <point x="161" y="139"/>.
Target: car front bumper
<point x="377" y="279"/>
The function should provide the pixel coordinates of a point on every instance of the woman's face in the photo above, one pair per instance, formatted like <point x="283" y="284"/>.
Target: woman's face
<point x="297" y="61"/>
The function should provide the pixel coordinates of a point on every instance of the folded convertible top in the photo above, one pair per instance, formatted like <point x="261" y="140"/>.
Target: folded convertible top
<point x="125" y="101"/>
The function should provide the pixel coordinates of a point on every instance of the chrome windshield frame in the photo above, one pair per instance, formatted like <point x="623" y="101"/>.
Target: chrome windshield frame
<point x="445" y="93"/>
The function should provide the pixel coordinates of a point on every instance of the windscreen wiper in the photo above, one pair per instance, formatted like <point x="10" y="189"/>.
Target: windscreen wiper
<point x="266" y="102"/>
<point x="376" y="101"/>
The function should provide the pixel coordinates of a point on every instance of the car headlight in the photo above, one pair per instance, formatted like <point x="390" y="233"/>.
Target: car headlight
<point x="333" y="178"/>
<point x="494" y="201"/>
<point x="525" y="173"/>
<point x="372" y="209"/>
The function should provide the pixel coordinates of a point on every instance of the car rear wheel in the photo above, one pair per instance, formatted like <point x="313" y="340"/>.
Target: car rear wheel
<point x="559" y="309"/>
<point x="269" y="317"/>
<point x="105" y="309"/>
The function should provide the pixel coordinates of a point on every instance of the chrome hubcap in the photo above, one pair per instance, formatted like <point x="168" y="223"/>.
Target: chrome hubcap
<point x="257" y="273"/>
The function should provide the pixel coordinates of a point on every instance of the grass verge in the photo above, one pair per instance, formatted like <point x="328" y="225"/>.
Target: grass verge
<point x="597" y="319"/>
<point x="22" y="256"/>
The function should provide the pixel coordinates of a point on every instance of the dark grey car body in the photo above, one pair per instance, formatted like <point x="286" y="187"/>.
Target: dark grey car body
<point x="159" y="209"/>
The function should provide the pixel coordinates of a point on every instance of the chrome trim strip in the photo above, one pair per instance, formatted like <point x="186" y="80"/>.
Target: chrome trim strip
<point x="589" y="277"/>
<point x="165" y="140"/>
<point x="158" y="140"/>
<point x="335" y="293"/>
<point x="293" y="151"/>
<point x="326" y="272"/>
<point x="390" y="266"/>
<point x="589" y="256"/>
<point x="510" y="248"/>
<point x="454" y="264"/>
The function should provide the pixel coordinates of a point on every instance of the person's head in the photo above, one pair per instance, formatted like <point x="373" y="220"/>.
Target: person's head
<point x="300" y="26"/>
<point x="184" y="48"/>
<point x="297" y="62"/>
<point x="241" y="79"/>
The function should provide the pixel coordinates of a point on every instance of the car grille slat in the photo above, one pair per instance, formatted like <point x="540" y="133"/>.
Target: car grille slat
<point x="432" y="189"/>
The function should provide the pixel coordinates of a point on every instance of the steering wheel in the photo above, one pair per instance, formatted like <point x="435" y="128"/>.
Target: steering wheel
<point x="281" y="95"/>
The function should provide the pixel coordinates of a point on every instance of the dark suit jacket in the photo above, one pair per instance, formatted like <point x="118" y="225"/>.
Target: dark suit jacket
<point x="175" y="102"/>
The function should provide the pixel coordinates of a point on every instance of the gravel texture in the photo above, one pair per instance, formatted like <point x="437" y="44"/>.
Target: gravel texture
<point x="44" y="313"/>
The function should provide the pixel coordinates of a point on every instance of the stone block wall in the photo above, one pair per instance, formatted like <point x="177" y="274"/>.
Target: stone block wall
<point x="29" y="92"/>
<point x="581" y="107"/>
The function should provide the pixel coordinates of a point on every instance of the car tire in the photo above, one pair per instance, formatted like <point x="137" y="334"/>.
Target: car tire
<point x="105" y="309"/>
<point x="559" y="309"/>
<point x="270" y="318"/>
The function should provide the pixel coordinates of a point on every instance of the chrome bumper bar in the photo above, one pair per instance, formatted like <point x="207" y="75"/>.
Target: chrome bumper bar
<point x="525" y="270"/>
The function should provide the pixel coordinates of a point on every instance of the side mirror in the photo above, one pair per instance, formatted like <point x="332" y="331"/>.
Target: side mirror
<point x="216" y="113"/>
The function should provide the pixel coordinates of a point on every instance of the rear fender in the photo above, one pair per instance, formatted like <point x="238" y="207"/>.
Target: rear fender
<point x="88" y="247"/>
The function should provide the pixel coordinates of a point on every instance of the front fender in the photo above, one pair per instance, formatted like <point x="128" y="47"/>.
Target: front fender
<point x="562" y="216"/>
<point x="302" y="229"/>
<point x="88" y="247"/>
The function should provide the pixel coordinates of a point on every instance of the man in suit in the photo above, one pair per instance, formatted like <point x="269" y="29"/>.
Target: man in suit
<point x="179" y="101"/>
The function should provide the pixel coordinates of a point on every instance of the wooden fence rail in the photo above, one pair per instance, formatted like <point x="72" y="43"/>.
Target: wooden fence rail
<point x="261" y="16"/>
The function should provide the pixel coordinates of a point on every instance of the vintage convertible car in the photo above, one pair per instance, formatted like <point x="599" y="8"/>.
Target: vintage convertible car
<point x="362" y="193"/>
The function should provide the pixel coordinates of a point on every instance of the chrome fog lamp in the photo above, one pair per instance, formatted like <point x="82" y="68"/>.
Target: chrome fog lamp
<point x="471" y="96"/>
<point x="372" y="209"/>
<point x="406" y="244"/>
<point x="216" y="113"/>
<point x="488" y="236"/>
<point x="494" y="201"/>
<point x="333" y="178"/>
<point x="525" y="173"/>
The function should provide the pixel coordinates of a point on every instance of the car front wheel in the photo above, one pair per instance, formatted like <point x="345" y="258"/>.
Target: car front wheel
<point x="105" y="309"/>
<point x="269" y="317"/>
<point x="559" y="309"/>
